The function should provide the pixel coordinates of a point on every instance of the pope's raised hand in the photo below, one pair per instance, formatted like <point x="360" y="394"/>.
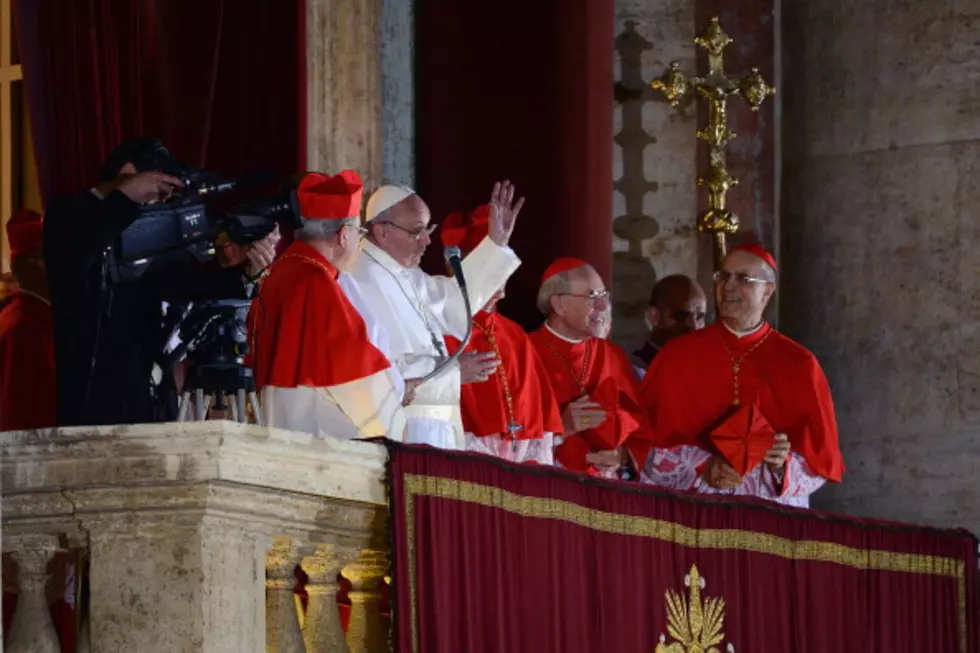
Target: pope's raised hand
<point x="503" y="212"/>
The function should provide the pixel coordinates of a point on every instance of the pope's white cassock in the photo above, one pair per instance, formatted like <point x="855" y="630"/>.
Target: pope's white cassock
<point x="416" y="310"/>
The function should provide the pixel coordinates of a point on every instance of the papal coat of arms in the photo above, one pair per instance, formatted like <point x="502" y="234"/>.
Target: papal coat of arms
<point x="696" y="626"/>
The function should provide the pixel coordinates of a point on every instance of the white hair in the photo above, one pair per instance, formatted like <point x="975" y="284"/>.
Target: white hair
<point x="550" y="287"/>
<point x="322" y="229"/>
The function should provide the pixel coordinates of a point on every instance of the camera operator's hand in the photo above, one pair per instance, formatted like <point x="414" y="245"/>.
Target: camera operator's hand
<point x="147" y="187"/>
<point x="260" y="254"/>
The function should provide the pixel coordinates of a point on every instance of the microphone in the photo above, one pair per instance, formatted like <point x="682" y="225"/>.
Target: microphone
<point x="452" y="256"/>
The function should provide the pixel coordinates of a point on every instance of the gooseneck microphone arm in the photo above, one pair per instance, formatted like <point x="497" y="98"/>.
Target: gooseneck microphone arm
<point x="452" y="256"/>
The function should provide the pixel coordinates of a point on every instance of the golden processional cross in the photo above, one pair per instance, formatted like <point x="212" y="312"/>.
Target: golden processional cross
<point x="716" y="88"/>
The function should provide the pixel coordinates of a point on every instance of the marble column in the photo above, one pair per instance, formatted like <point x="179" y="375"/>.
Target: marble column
<point x="282" y="629"/>
<point x="32" y="630"/>
<point x="343" y="73"/>
<point x="881" y="254"/>
<point x="367" y="631"/>
<point x="322" y="630"/>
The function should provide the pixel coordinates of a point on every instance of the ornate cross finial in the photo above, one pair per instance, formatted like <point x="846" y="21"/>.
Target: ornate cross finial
<point x="695" y="625"/>
<point x="716" y="88"/>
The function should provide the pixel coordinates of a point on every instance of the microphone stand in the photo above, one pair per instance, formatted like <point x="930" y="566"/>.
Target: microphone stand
<point x="469" y="329"/>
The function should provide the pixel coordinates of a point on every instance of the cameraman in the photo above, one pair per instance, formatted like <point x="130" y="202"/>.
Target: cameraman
<point x="107" y="315"/>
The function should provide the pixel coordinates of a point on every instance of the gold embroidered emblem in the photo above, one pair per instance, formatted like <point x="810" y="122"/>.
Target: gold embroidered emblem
<point x="695" y="626"/>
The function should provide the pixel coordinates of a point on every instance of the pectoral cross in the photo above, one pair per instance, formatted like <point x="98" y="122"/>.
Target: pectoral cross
<point x="716" y="88"/>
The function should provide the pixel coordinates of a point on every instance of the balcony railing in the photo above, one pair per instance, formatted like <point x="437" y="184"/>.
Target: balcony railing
<point x="192" y="533"/>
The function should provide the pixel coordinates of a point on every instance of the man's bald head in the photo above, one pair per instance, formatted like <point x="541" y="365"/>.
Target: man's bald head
<point x="743" y="286"/>
<point x="677" y="306"/>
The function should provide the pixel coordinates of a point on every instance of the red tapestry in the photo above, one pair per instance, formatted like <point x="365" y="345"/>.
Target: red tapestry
<point x="491" y="557"/>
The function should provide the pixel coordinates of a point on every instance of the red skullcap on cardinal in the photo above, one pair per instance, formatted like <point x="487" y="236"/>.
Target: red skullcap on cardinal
<point x="758" y="250"/>
<point x="322" y="197"/>
<point x="466" y="231"/>
<point x="24" y="232"/>
<point x="562" y="265"/>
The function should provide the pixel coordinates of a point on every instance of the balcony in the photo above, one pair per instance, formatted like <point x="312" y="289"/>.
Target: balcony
<point x="193" y="532"/>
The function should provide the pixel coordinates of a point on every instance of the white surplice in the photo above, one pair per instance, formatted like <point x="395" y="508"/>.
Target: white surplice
<point x="362" y="408"/>
<point x="417" y="310"/>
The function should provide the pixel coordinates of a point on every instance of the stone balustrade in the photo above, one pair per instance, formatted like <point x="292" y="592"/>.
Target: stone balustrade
<point x="192" y="533"/>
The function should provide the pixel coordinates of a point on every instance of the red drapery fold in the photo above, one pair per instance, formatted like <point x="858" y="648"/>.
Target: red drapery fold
<point x="216" y="81"/>
<point x="520" y="90"/>
<point x="496" y="557"/>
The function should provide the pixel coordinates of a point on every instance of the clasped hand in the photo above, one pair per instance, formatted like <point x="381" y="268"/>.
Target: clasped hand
<point x="582" y="414"/>
<point x="720" y="475"/>
<point x="476" y="367"/>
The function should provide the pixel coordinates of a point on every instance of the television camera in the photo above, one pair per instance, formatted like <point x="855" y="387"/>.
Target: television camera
<point x="211" y="336"/>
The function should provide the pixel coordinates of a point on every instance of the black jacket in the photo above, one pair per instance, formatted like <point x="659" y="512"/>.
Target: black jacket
<point x="117" y="324"/>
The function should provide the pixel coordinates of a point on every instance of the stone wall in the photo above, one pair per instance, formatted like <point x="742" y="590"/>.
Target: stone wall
<point x="881" y="248"/>
<point x="397" y="93"/>
<point x="655" y="201"/>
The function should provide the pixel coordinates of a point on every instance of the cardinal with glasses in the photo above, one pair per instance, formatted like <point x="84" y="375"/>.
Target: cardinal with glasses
<point x="592" y="378"/>
<point x="318" y="356"/>
<point x="737" y="407"/>
<point x="419" y="310"/>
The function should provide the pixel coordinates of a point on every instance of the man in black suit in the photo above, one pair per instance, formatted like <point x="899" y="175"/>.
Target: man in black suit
<point x="108" y="321"/>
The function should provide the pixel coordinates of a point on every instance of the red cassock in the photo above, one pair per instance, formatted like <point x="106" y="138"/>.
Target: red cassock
<point x="303" y="330"/>
<point x="522" y="374"/>
<point x="691" y="384"/>
<point x="27" y="372"/>
<point x="604" y="371"/>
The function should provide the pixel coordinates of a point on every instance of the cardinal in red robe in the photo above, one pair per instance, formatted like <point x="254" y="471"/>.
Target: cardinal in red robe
<point x="27" y="382"/>
<point x="593" y="379"/>
<point x="508" y="407"/>
<point x="27" y="373"/>
<point x="318" y="361"/>
<point x="738" y="407"/>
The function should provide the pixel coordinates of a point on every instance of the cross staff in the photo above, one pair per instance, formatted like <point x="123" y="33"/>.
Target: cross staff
<point x="716" y="88"/>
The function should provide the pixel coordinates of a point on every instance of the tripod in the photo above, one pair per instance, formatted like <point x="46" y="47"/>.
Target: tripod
<point x="211" y="386"/>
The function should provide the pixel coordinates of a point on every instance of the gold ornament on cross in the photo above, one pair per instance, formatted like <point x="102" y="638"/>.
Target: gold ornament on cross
<point x="696" y="626"/>
<point x="715" y="88"/>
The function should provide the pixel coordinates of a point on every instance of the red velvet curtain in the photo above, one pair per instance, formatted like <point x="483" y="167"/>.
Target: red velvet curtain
<point x="520" y="90"/>
<point x="216" y="81"/>
<point x="489" y="556"/>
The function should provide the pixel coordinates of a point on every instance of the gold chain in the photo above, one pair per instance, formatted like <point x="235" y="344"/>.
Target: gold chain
<point x="512" y="426"/>
<point x="737" y="365"/>
<point x="580" y="379"/>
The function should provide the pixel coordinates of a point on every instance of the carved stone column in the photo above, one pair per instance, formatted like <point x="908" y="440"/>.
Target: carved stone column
<point x="281" y="619"/>
<point x="179" y="582"/>
<point x="367" y="631"/>
<point x="322" y="630"/>
<point x="343" y="76"/>
<point x="32" y="630"/>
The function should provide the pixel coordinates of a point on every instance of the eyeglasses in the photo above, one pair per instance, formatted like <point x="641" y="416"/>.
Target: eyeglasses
<point x="740" y="278"/>
<point x="414" y="233"/>
<point x="593" y="296"/>
<point x="361" y="231"/>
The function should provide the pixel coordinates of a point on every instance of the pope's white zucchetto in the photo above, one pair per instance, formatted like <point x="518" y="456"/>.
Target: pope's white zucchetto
<point x="384" y="198"/>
